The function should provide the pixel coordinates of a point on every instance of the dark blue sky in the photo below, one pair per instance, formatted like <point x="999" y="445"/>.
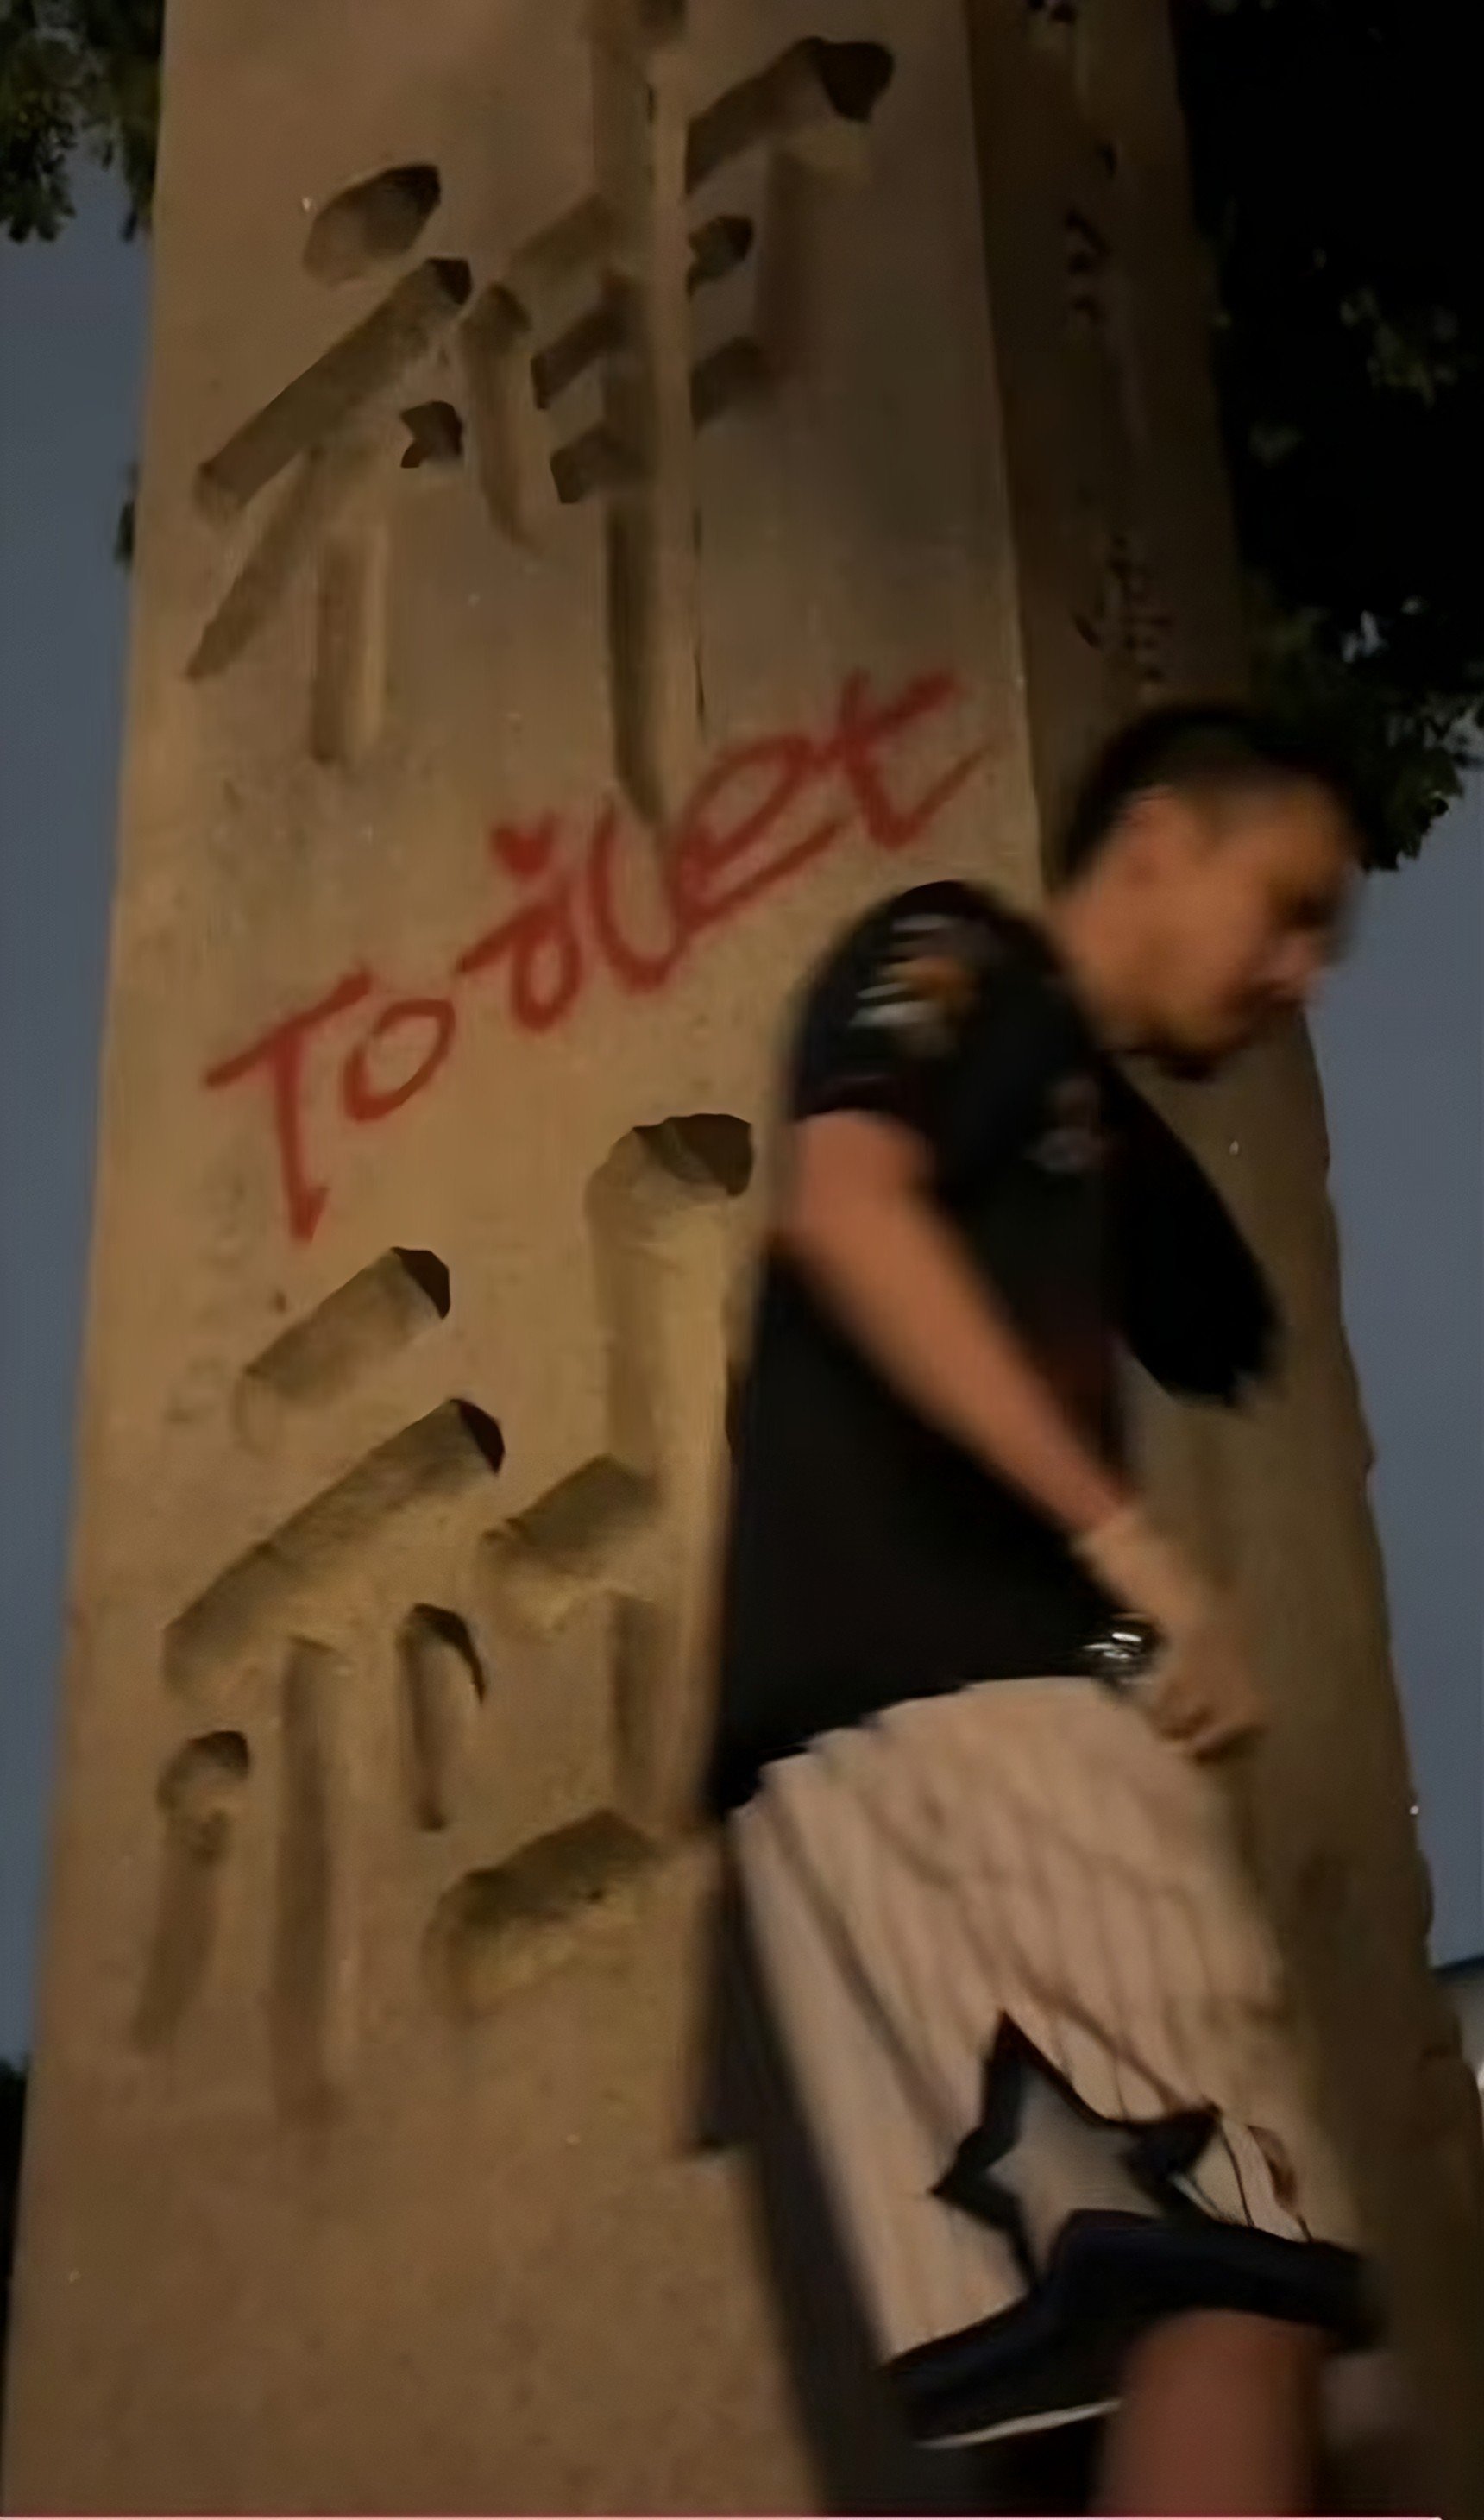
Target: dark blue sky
<point x="1400" y="1039"/>
<point x="71" y="321"/>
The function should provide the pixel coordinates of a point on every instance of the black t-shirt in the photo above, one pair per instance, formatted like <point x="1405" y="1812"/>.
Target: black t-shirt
<point x="870" y="1558"/>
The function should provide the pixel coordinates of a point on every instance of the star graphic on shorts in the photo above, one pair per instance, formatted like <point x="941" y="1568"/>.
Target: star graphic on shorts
<point x="1041" y="2155"/>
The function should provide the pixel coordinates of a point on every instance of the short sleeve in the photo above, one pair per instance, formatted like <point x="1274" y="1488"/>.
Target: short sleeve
<point x="893" y="1021"/>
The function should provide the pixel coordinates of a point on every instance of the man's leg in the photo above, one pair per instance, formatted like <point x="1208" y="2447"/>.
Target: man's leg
<point x="1220" y="2414"/>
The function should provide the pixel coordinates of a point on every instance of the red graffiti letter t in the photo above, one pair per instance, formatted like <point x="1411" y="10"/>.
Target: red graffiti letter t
<point x="281" y="1052"/>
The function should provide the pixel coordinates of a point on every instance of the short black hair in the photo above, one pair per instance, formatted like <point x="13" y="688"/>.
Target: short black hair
<point x="1190" y="745"/>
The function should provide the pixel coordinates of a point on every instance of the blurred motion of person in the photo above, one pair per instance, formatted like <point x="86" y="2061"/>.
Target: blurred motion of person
<point x="972" y="1696"/>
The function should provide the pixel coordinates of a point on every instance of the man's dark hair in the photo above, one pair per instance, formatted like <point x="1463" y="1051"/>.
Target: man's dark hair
<point x="1192" y="747"/>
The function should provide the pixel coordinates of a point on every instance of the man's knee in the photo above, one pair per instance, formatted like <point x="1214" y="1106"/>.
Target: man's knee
<point x="1229" y="2347"/>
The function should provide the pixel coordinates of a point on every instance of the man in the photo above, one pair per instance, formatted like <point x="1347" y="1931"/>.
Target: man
<point x="971" y="1697"/>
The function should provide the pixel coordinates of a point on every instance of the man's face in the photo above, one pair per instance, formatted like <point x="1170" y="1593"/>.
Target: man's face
<point x="1247" y="896"/>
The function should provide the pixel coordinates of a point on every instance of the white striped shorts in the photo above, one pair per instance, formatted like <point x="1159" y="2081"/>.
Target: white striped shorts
<point x="1038" y="2035"/>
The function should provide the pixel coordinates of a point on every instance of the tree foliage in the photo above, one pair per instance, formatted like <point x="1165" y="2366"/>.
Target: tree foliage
<point x="1337" y="180"/>
<point x="1336" y="162"/>
<point x="77" y="76"/>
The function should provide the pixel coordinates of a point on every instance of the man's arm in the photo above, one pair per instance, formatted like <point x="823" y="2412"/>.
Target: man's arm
<point x="857" y="1221"/>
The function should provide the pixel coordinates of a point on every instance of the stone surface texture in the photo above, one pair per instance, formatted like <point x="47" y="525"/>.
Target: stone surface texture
<point x="624" y="487"/>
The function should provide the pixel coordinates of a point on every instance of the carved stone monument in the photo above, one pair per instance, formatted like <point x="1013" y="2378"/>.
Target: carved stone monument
<point x="625" y="485"/>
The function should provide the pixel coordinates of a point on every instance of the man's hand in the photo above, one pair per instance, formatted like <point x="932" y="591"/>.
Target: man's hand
<point x="1200" y="1693"/>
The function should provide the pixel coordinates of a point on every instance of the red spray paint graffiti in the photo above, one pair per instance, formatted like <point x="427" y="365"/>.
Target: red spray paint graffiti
<point x="759" y="814"/>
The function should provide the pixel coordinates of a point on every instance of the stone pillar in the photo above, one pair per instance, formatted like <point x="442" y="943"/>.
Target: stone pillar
<point x="575" y="578"/>
<point x="1129" y="595"/>
<point x="576" y="571"/>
